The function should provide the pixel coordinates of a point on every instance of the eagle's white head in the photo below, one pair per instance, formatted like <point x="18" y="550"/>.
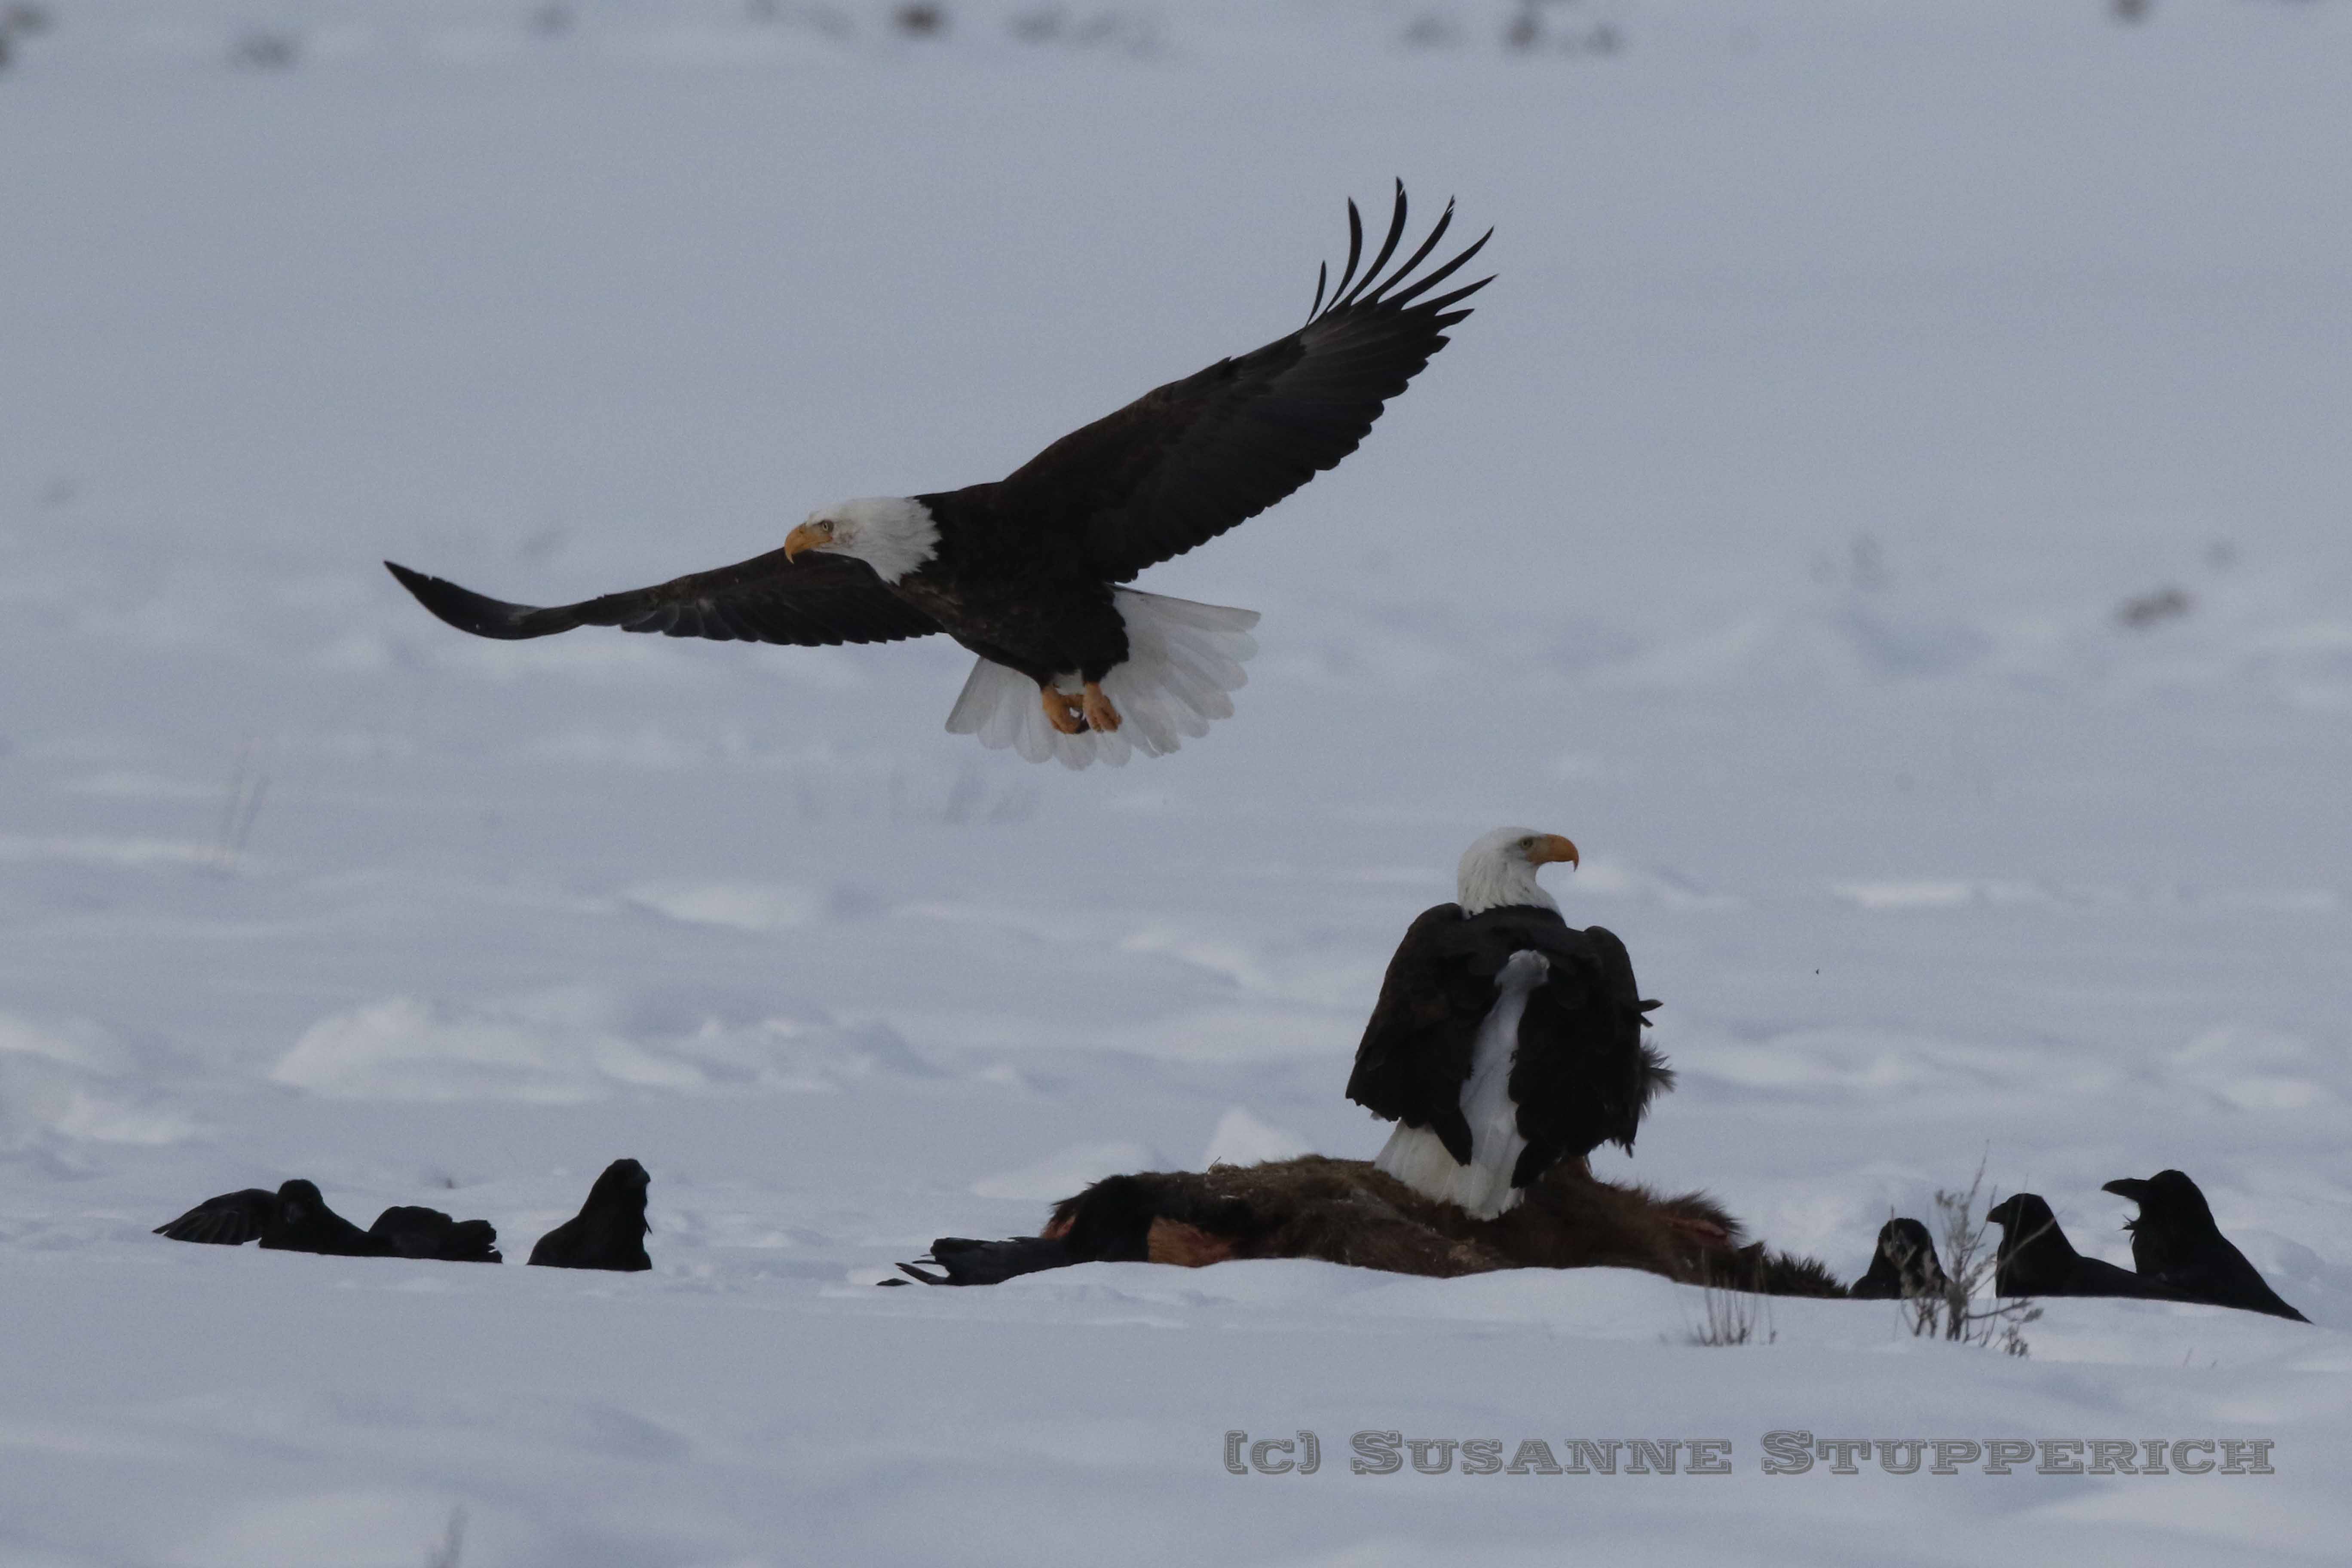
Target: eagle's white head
<point x="893" y="534"/>
<point x="1500" y="868"/>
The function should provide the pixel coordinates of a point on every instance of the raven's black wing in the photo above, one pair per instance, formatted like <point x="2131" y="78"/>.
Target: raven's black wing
<point x="231" y="1219"/>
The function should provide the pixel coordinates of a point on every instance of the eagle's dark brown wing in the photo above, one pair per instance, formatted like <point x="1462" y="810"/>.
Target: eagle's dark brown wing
<point x="1417" y="1044"/>
<point x="1186" y="462"/>
<point x="819" y="600"/>
<point x="1580" y="1074"/>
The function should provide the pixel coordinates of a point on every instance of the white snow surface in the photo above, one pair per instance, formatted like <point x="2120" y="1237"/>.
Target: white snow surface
<point x="1852" y="365"/>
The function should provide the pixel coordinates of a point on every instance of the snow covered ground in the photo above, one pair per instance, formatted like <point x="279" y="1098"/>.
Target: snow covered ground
<point x="1770" y="531"/>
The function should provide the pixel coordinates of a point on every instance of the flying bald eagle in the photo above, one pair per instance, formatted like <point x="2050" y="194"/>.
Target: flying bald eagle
<point x="1504" y="1040"/>
<point x="1024" y="571"/>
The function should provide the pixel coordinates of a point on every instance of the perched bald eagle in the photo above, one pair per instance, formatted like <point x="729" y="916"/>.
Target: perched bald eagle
<point x="1024" y="571"/>
<point x="1504" y="1040"/>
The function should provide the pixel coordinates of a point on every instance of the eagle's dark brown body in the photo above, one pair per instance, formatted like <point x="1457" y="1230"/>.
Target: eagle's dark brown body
<point x="1581" y="1077"/>
<point x="1009" y="591"/>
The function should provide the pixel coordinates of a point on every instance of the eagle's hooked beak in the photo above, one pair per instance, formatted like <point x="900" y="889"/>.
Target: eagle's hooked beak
<point x="807" y="536"/>
<point x="1552" y="847"/>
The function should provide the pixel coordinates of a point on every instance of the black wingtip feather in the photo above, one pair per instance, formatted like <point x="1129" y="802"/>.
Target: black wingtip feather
<point x="476" y="613"/>
<point x="1445" y="221"/>
<point x="1387" y="248"/>
<point x="1355" y="251"/>
<point x="1370" y="289"/>
<point x="1423" y="286"/>
<point x="1443" y="300"/>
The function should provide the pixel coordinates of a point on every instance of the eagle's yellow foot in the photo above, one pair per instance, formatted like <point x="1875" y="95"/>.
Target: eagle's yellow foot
<point x="1100" y="714"/>
<point x="1062" y="710"/>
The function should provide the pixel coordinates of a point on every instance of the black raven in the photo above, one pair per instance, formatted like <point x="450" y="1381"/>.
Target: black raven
<point x="296" y="1218"/>
<point x="2175" y="1242"/>
<point x="1110" y="1223"/>
<point x="1904" y="1266"/>
<point x="609" y="1231"/>
<point x="2036" y="1259"/>
<point x="410" y="1232"/>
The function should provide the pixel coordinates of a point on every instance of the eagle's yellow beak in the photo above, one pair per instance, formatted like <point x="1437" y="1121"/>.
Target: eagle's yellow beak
<point x="807" y="536"/>
<point x="1552" y="847"/>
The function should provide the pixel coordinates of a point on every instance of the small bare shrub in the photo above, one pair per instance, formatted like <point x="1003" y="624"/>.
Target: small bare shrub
<point x="1735" y="1317"/>
<point x="1969" y="1257"/>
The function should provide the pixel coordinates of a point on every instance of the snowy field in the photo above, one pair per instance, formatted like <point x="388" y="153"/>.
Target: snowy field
<point x="1854" y="366"/>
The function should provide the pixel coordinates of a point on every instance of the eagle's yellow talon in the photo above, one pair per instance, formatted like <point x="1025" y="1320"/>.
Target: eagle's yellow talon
<point x="1062" y="710"/>
<point x="1100" y="714"/>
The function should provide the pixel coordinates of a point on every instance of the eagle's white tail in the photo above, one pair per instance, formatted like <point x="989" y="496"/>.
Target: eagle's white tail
<point x="1184" y="662"/>
<point x="1419" y="1158"/>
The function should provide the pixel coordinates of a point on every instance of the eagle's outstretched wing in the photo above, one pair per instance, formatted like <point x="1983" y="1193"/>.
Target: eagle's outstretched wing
<point x="1186" y="462"/>
<point x="817" y="600"/>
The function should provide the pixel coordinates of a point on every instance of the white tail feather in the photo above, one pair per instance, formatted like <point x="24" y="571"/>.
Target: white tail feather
<point x="1419" y="1158"/>
<point x="1183" y="663"/>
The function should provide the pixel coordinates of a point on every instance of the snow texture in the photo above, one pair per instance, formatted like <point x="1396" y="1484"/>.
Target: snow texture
<point x="1890" y="510"/>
